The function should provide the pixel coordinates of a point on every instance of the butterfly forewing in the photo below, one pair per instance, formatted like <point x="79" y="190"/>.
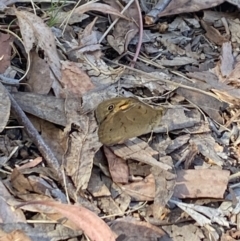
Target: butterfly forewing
<point x="130" y="118"/>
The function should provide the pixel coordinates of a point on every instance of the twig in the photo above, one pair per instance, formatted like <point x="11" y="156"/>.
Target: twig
<point x="41" y="145"/>
<point x="140" y="34"/>
<point x="33" y="6"/>
<point x="9" y="81"/>
<point x="34" y="135"/>
<point x="152" y="16"/>
<point x="234" y="176"/>
<point x="154" y="78"/>
<point x="66" y="20"/>
<point x="114" y="22"/>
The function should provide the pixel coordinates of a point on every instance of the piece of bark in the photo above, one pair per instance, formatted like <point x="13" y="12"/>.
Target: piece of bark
<point x="208" y="104"/>
<point x="201" y="183"/>
<point x="45" y="107"/>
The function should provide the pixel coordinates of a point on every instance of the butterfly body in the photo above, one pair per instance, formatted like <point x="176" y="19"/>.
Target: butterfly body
<point x="122" y="118"/>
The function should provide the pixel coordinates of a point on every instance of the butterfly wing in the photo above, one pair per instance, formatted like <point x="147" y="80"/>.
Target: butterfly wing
<point x="133" y="118"/>
<point x="103" y="109"/>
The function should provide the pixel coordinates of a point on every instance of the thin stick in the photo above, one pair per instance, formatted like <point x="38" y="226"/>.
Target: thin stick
<point x="234" y="176"/>
<point x="154" y="78"/>
<point x="42" y="146"/>
<point x="140" y="34"/>
<point x="66" y="20"/>
<point x="114" y="22"/>
<point x="35" y="136"/>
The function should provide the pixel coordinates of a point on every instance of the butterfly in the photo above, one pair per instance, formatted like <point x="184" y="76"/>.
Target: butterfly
<point x="122" y="118"/>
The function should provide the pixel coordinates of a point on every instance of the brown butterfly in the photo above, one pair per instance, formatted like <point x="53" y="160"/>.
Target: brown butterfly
<point x="122" y="118"/>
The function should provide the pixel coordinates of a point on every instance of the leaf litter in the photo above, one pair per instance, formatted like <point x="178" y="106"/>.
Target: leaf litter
<point x="178" y="182"/>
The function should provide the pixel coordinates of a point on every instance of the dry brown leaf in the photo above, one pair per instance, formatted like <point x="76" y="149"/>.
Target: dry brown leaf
<point x="53" y="136"/>
<point x="141" y="191"/>
<point x="186" y="6"/>
<point x="15" y="235"/>
<point x="123" y="201"/>
<point x="7" y="213"/>
<point x="138" y="150"/>
<point x="230" y="235"/>
<point x="234" y="29"/>
<point x="213" y="34"/>
<point x="172" y="48"/>
<point x="208" y="104"/>
<point x="117" y="167"/>
<point x="207" y="146"/>
<point x="72" y="16"/>
<point x="178" y="142"/>
<point x="100" y="73"/>
<point x="41" y="186"/>
<point x="28" y="197"/>
<point x="177" y="118"/>
<point x="203" y="76"/>
<point x="88" y="41"/>
<point x="214" y="16"/>
<point x="34" y="184"/>
<point x="228" y="96"/>
<point x="185" y="232"/>
<point x="137" y="230"/>
<point x="138" y="169"/>
<point x="215" y="82"/>
<point x="234" y="76"/>
<point x="40" y="78"/>
<point x="19" y="182"/>
<point x="74" y="80"/>
<point x="108" y="205"/>
<point x="99" y="7"/>
<point x="190" y="155"/>
<point x="220" y="79"/>
<point x="44" y="231"/>
<point x="164" y="184"/>
<point x="93" y="226"/>
<point x="7" y="146"/>
<point x="180" y="24"/>
<point x="5" y="51"/>
<point x="124" y="30"/>
<point x="83" y="144"/>
<point x="45" y="107"/>
<point x="58" y="217"/>
<point x="96" y="186"/>
<point x="192" y="54"/>
<point x="199" y="183"/>
<point x="35" y="31"/>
